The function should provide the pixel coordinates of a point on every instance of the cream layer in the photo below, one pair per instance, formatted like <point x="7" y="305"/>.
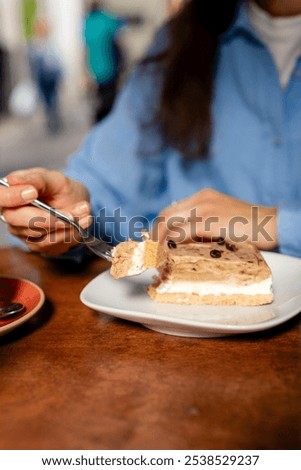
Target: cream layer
<point x="215" y="288"/>
<point x="137" y="266"/>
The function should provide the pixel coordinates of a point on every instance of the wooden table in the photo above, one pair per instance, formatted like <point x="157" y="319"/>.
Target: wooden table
<point x="72" y="378"/>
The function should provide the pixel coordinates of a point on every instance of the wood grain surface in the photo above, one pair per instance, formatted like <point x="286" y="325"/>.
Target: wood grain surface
<point x="71" y="378"/>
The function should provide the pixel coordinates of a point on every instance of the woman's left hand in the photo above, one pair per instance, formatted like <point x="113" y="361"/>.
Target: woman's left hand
<point x="209" y="214"/>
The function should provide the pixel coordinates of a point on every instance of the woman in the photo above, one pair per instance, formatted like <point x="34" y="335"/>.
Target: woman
<point x="214" y="105"/>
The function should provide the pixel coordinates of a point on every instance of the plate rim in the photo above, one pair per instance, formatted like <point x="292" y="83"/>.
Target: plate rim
<point x="225" y="329"/>
<point x="20" y="320"/>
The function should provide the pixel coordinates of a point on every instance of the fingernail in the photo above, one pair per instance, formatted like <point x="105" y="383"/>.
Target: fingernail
<point x="86" y="221"/>
<point x="29" y="194"/>
<point x="81" y="209"/>
<point x="2" y="218"/>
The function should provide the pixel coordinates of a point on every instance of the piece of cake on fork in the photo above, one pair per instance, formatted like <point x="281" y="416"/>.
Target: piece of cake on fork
<point x="131" y="257"/>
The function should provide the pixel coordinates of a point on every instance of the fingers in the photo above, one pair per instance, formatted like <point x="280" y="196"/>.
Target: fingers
<point x="56" y="247"/>
<point x="179" y="222"/>
<point x="26" y="185"/>
<point x="209" y="215"/>
<point x="80" y="211"/>
<point x="202" y="216"/>
<point x="43" y="232"/>
<point x="46" y="182"/>
<point x="39" y="230"/>
<point x="17" y="195"/>
<point x="28" y="215"/>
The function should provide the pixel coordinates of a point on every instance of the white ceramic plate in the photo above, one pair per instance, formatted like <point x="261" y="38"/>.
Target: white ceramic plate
<point x="127" y="299"/>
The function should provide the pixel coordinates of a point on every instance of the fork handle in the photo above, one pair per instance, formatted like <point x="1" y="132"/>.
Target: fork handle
<point x="55" y="212"/>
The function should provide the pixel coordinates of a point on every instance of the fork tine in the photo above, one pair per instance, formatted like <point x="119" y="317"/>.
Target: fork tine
<point x="98" y="246"/>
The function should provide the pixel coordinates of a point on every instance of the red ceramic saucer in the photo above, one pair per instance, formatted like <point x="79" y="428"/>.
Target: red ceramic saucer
<point x="24" y="291"/>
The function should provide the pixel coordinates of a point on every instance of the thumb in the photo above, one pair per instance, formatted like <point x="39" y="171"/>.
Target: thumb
<point x="13" y="196"/>
<point x="48" y="183"/>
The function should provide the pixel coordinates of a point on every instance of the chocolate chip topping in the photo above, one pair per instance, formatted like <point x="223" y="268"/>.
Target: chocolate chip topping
<point x="215" y="254"/>
<point x="231" y="247"/>
<point x="171" y="244"/>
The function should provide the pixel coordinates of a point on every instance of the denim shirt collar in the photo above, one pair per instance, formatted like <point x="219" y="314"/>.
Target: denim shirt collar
<point x="241" y="24"/>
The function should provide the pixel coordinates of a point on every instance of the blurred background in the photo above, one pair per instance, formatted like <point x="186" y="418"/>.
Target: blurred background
<point x="44" y="117"/>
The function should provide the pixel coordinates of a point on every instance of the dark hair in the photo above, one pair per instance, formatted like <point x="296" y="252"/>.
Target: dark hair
<point x="188" y="65"/>
<point x="95" y="5"/>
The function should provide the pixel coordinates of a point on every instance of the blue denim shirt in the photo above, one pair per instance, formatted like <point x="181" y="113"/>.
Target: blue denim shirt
<point x="255" y="154"/>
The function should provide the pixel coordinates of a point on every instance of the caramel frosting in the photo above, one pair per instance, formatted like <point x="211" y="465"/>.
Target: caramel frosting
<point x="241" y="263"/>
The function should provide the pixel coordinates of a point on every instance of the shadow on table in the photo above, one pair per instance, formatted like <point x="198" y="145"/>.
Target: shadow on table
<point x="40" y="319"/>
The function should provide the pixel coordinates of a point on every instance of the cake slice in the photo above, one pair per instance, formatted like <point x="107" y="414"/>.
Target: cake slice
<point x="131" y="257"/>
<point x="215" y="273"/>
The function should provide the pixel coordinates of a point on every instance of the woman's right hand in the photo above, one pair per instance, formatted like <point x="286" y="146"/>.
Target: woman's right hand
<point x="39" y="230"/>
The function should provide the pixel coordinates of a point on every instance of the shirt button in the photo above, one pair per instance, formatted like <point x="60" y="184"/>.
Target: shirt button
<point x="277" y="141"/>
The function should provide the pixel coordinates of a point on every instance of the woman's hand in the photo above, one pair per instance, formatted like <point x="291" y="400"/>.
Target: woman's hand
<point x="209" y="214"/>
<point x="39" y="230"/>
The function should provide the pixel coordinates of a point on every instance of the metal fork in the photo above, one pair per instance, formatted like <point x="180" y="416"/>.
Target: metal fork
<point x="96" y="245"/>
